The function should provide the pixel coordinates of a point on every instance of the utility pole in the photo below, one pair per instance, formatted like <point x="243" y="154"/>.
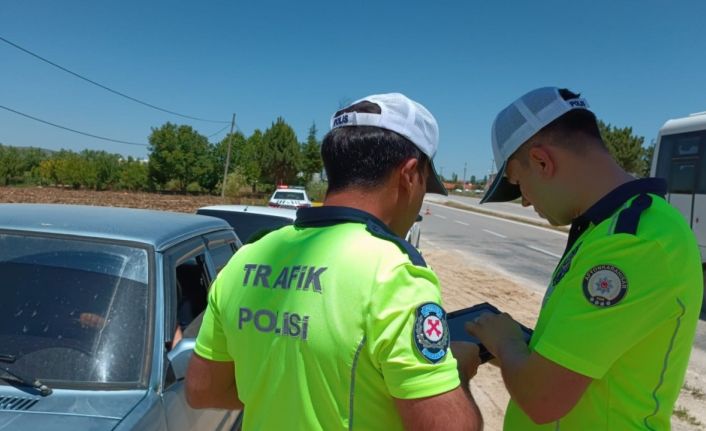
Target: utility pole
<point x="225" y="172"/>
<point x="464" y="176"/>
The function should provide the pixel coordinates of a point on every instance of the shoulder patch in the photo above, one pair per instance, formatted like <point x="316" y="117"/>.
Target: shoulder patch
<point x="629" y="218"/>
<point x="431" y="332"/>
<point x="604" y="285"/>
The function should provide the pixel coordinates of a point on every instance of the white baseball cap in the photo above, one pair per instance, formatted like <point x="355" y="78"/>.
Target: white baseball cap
<point x="515" y="125"/>
<point x="402" y="115"/>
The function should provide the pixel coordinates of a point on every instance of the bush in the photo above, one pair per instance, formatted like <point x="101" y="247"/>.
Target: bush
<point x="236" y="185"/>
<point x="194" y="188"/>
<point x="317" y="190"/>
<point x="172" y="186"/>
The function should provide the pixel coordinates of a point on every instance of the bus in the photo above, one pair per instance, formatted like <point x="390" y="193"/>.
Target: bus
<point x="680" y="158"/>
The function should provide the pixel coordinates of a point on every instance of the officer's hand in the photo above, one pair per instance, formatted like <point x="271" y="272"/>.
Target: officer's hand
<point x="496" y="331"/>
<point x="467" y="359"/>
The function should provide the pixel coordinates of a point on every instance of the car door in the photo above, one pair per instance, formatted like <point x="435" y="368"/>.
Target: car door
<point x="188" y="274"/>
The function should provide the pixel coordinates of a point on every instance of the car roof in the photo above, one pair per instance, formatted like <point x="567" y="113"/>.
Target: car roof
<point x="254" y="209"/>
<point x="159" y="229"/>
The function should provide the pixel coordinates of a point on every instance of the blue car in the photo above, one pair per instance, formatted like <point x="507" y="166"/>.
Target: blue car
<point x="99" y="308"/>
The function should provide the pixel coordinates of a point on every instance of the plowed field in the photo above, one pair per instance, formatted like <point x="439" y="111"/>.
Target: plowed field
<point x="167" y="202"/>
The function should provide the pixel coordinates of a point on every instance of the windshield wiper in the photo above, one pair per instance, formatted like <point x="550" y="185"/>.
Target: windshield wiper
<point x="43" y="389"/>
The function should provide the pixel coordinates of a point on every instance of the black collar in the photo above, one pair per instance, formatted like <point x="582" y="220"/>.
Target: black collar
<point x="610" y="203"/>
<point x="331" y="215"/>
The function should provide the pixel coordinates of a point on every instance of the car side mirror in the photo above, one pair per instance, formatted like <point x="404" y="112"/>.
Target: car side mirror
<point x="419" y="217"/>
<point x="180" y="356"/>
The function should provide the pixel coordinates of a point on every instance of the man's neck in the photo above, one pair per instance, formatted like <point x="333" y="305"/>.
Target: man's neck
<point x="375" y="202"/>
<point x="596" y="176"/>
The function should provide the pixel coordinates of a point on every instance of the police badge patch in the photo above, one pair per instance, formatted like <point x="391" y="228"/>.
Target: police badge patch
<point x="431" y="332"/>
<point x="604" y="285"/>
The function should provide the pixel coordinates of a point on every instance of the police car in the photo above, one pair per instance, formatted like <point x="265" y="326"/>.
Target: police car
<point x="289" y="197"/>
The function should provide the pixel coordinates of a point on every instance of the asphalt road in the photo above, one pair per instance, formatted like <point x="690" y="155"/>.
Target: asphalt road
<point x="511" y="208"/>
<point x="524" y="252"/>
<point x="528" y="252"/>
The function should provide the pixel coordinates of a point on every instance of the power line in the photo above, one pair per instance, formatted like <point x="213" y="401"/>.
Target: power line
<point x="108" y="88"/>
<point x="72" y="130"/>
<point x="214" y="134"/>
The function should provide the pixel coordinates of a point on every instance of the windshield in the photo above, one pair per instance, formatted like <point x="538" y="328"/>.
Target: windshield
<point x="73" y="312"/>
<point x="295" y="196"/>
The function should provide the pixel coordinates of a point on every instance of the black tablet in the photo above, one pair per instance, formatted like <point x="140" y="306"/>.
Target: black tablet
<point x="457" y="320"/>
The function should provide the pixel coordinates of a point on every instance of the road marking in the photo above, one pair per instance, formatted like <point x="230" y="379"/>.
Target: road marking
<point x="460" y="222"/>
<point x="541" y="250"/>
<point x="493" y="233"/>
<point x="467" y="212"/>
<point x="440" y="216"/>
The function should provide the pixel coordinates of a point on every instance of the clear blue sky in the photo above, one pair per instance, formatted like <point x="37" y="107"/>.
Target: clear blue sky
<point x="637" y="62"/>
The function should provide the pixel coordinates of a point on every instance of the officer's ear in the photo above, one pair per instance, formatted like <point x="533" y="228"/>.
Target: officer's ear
<point x="409" y="174"/>
<point x="542" y="161"/>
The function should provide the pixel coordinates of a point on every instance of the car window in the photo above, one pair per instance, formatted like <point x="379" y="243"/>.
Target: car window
<point x="296" y="196"/>
<point x="192" y="283"/>
<point x="74" y="312"/>
<point x="246" y="224"/>
<point x="221" y="252"/>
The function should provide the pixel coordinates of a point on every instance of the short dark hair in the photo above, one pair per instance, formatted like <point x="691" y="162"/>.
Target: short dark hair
<point x="364" y="156"/>
<point x="562" y="131"/>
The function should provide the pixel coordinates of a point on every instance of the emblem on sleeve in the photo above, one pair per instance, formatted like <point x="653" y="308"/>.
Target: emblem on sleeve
<point x="604" y="285"/>
<point x="431" y="332"/>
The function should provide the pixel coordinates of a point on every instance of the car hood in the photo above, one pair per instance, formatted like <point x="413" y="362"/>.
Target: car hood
<point x="59" y="422"/>
<point x="65" y="409"/>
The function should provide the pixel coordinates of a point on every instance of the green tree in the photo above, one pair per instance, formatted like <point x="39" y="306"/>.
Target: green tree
<point x="220" y="151"/>
<point x="10" y="164"/>
<point x="237" y="155"/>
<point x="67" y="167"/>
<point x="253" y="159"/>
<point x="133" y="175"/>
<point x="647" y="155"/>
<point x="98" y="170"/>
<point x="311" y="155"/>
<point x="30" y="160"/>
<point x="181" y="155"/>
<point x="280" y="154"/>
<point x="625" y="147"/>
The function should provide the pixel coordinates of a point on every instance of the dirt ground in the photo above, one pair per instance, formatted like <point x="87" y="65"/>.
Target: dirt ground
<point x="464" y="279"/>
<point x="166" y="202"/>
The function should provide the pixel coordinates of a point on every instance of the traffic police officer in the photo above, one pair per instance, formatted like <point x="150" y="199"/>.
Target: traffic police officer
<point x="336" y="322"/>
<point x="613" y="337"/>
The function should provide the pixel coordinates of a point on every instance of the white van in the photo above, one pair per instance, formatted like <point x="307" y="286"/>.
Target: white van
<point x="680" y="158"/>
